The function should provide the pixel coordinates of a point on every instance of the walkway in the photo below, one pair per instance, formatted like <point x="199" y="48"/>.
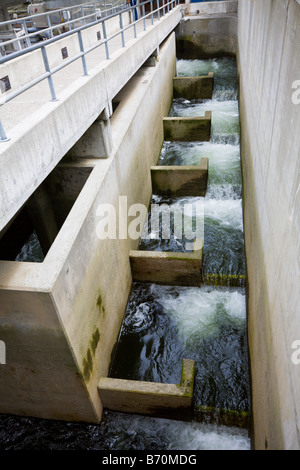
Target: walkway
<point x="42" y="131"/>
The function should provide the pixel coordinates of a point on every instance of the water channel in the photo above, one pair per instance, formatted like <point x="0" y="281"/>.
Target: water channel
<point x="163" y="324"/>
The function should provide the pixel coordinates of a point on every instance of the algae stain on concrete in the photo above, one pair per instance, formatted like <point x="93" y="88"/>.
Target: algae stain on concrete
<point x="95" y="340"/>
<point x="100" y="305"/>
<point x="88" y="362"/>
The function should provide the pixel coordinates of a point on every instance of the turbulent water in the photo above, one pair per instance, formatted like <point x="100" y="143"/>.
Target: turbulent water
<point x="118" y="431"/>
<point x="31" y="251"/>
<point x="162" y="324"/>
<point x="222" y="207"/>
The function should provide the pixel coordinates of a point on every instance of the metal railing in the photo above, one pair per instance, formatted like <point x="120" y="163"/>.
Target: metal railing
<point x="156" y="12"/>
<point x="54" y="22"/>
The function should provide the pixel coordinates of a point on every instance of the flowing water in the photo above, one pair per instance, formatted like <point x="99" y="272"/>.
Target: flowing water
<point x="163" y="324"/>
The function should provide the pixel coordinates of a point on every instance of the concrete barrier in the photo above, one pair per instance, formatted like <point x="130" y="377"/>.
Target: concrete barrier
<point x="201" y="87"/>
<point x="167" y="268"/>
<point x="180" y="180"/>
<point x="150" y="398"/>
<point x="186" y="129"/>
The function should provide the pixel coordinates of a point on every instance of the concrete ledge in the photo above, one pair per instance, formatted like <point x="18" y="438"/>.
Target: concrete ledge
<point x="150" y="398"/>
<point x="180" y="180"/>
<point x="200" y="87"/>
<point x="212" y="8"/>
<point x="186" y="129"/>
<point x="167" y="268"/>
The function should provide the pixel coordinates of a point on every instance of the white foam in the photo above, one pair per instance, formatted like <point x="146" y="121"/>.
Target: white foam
<point x="198" y="312"/>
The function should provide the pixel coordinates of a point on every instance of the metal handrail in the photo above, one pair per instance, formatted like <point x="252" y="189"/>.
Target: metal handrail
<point x="120" y="4"/>
<point x="160" y="10"/>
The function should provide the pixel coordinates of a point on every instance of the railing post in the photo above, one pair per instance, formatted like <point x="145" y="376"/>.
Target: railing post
<point x="26" y="33"/>
<point x="82" y="50"/>
<point x="71" y="22"/>
<point x="3" y="137"/>
<point x="49" y="25"/>
<point x="144" y="19"/>
<point x="82" y="14"/>
<point x="151" y="11"/>
<point x="158" y="12"/>
<point x="47" y="68"/>
<point x="105" y="39"/>
<point x="134" y="24"/>
<point x="121" y="28"/>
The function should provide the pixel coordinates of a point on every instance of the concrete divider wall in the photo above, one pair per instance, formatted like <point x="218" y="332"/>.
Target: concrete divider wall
<point x="194" y="87"/>
<point x="180" y="180"/>
<point x="169" y="268"/>
<point x="269" y="64"/>
<point x="85" y="280"/>
<point x="151" y="398"/>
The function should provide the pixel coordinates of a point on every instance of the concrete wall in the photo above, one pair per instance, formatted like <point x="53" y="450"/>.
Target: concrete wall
<point x="73" y="302"/>
<point x="204" y="36"/>
<point x="268" y="56"/>
<point x="212" y="8"/>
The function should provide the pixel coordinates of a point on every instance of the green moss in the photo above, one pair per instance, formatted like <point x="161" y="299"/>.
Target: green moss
<point x="100" y="304"/>
<point x="99" y="301"/>
<point x="187" y="377"/>
<point x="95" y="340"/>
<point x="220" y="416"/>
<point x="87" y="365"/>
<point x="225" y="280"/>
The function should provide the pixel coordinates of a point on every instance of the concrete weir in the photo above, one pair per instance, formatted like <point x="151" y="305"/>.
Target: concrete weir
<point x="180" y="180"/>
<point x="186" y="129"/>
<point x="193" y="88"/>
<point x="150" y="398"/>
<point x="60" y="318"/>
<point x="160" y="267"/>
